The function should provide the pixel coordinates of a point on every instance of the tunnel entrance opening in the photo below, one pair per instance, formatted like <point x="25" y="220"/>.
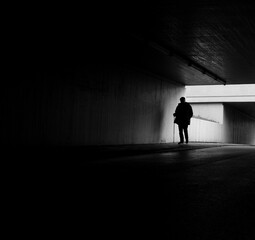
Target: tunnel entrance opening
<point x="223" y="113"/>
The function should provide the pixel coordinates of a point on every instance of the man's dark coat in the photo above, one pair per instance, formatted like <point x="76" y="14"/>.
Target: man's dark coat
<point x="183" y="114"/>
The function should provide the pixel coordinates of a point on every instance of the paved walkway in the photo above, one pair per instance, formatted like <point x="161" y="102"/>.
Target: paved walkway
<point x="206" y="192"/>
<point x="106" y="152"/>
<point x="193" y="192"/>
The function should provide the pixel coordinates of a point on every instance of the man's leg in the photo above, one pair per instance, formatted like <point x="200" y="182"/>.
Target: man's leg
<point x="185" y="128"/>
<point x="181" y="133"/>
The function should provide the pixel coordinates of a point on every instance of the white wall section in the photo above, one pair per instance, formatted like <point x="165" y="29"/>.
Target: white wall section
<point x="91" y="105"/>
<point x="216" y="122"/>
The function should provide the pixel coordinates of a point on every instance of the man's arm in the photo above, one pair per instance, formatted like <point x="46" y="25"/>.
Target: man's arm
<point x="191" y="111"/>
<point x="176" y="111"/>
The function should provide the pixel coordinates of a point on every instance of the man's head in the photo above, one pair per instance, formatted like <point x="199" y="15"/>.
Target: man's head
<point x="182" y="99"/>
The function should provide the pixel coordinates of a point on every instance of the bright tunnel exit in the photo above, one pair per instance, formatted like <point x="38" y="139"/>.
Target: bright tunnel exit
<point x="220" y="93"/>
<point x="222" y="114"/>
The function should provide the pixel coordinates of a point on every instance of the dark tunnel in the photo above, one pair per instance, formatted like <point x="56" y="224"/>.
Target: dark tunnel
<point x="89" y="140"/>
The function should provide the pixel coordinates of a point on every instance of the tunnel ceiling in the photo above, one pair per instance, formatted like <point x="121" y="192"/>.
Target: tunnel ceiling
<point x="217" y="35"/>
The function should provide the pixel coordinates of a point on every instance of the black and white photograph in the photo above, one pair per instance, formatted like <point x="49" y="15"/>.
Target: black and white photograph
<point x="129" y="120"/>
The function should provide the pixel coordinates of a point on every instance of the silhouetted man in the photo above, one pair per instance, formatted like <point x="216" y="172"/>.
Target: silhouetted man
<point x="183" y="114"/>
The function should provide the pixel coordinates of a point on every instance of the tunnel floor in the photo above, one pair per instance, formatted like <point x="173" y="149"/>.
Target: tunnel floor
<point x="197" y="193"/>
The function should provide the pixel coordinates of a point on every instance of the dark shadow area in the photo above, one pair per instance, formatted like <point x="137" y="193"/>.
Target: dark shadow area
<point x="199" y="193"/>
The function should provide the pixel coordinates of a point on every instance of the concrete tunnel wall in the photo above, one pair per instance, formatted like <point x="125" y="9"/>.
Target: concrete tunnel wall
<point x="90" y="105"/>
<point x="238" y="127"/>
<point x="207" y="122"/>
<point x="218" y="122"/>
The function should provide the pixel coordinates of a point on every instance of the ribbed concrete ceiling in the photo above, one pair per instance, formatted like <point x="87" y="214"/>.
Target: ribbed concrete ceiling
<point x="217" y="35"/>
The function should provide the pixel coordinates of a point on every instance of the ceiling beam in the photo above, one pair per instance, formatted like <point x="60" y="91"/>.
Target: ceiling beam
<point x="173" y="52"/>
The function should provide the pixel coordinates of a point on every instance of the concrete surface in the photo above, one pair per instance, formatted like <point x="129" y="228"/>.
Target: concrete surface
<point x="100" y="153"/>
<point x="198" y="193"/>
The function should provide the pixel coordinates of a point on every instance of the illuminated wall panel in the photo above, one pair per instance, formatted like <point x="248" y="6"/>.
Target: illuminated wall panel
<point x="208" y="111"/>
<point x="205" y="131"/>
<point x="90" y="105"/>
